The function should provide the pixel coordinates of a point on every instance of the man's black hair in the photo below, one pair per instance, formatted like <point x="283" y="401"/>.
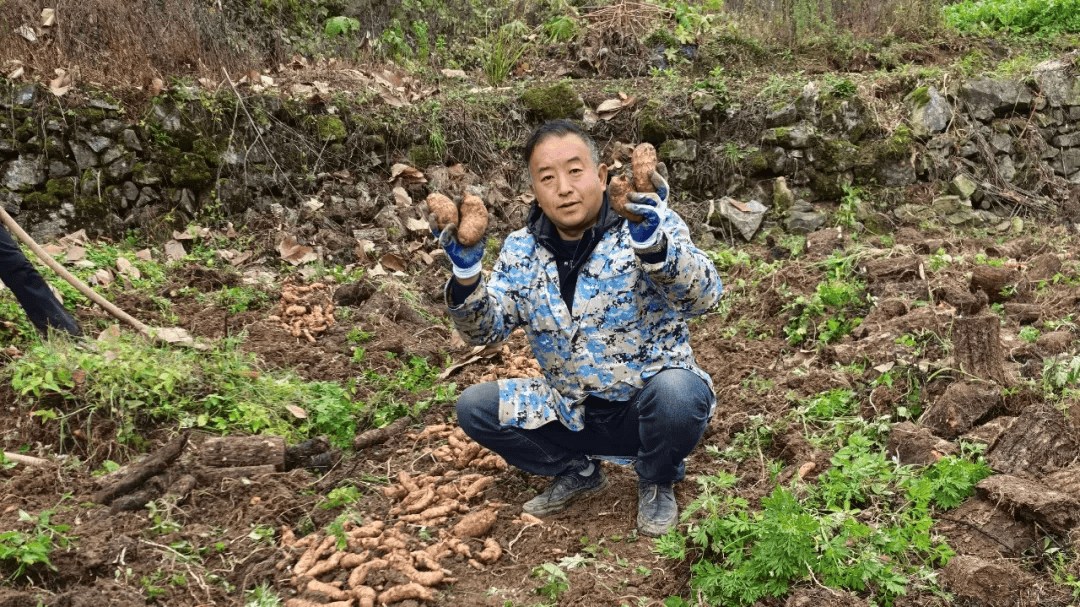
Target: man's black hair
<point x="559" y="128"/>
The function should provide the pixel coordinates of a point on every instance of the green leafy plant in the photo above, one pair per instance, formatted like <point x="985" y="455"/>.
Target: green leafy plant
<point x="341" y="26"/>
<point x="341" y="496"/>
<point x="26" y="549"/>
<point x="1017" y="16"/>
<point x="1029" y="334"/>
<point x="555" y="580"/>
<point x="864" y="526"/>
<point x="827" y="314"/>
<point x="560" y="29"/>
<point x="504" y="50"/>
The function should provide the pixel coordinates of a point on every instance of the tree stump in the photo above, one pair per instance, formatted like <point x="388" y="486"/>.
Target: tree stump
<point x="977" y="347"/>
<point x="1025" y="314"/>
<point x="994" y="281"/>
<point x="211" y="477"/>
<point x="1040" y="441"/>
<point x="240" y="451"/>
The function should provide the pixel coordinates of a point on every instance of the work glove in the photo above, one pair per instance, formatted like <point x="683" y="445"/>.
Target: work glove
<point x="466" y="260"/>
<point x="652" y="207"/>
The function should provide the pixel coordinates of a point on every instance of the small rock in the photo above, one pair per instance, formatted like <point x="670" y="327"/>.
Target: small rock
<point x="930" y="115"/>
<point x="108" y="127"/>
<point x="24" y="173"/>
<point x="121" y="168"/>
<point x="84" y="156"/>
<point x="131" y="191"/>
<point x="784" y="116"/>
<point x="98" y="143"/>
<point x="131" y="140"/>
<point x="745" y="221"/>
<point x="101" y="104"/>
<point x="147" y="195"/>
<point x="111" y="155"/>
<point x="25" y="95"/>
<point x="678" y="150"/>
<point x="59" y="168"/>
<point x="963" y="186"/>
<point x="783" y="198"/>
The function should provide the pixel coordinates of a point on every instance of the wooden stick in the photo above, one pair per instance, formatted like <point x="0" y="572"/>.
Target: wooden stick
<point x="25" y="459"/>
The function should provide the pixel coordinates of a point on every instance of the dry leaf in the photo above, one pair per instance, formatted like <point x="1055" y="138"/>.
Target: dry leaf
<point x="449" y="73"/>
<point x="27" y="32"/>
<point x="102" y="277"/>
<point x="402" y="198"/>
<point x="16" y="73"/>
<point x="74" y="254"/>
<point x="377" y="271"/>
<point x="48" y="17"/>
<point x="53" y="250"/>
<point x="296" y="411"/>
<point x="609" y="108"/>
<point x="407" y="174"/>
<point x="174" y="251"/>
<point x="394" y="262"/>
<point x="241" y="258"/>
<point x="313" y="204"/>
<point x="295" y="253"/>
<point x="61" y="84"/>
<point x="78" y="237"/>
<point x="427" y="259"/>
<point x="127" y="269"/>
<point x="109" y="334"/>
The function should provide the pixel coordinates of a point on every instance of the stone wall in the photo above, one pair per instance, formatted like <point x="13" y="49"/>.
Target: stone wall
<point x="87" y="164"/>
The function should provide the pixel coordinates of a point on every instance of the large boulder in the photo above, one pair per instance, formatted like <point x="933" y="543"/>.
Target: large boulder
<point x="987" y="98"/>
<point x="1056" y="82"/>
<point x="930" y="112"/>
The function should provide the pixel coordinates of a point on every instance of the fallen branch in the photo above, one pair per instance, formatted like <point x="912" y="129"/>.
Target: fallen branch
<point x="25" y="459"/>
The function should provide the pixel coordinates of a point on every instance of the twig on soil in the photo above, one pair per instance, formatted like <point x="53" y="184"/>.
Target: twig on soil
<point x="510" y="546"/>
<point x="25" y="459"/>
<point x="976" y="529"/>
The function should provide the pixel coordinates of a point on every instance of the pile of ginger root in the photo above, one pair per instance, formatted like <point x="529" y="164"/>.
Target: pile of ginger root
<point x="381" y="562"/>
<point x="305" y="310"/>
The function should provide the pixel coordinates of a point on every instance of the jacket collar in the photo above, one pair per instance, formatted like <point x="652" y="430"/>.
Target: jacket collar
<point x="546" y="234"/>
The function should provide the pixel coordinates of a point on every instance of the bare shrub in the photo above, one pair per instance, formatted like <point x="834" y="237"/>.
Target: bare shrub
<point x="124" y="42"/>
<point x="794" y="20"/>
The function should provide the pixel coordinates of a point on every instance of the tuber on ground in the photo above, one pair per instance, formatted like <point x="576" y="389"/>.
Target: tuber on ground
<point x="475" y="524"/>
<point x="365" y="595"/>
<point x="643" y="163"/>
<point x="443" y="209"/>
<point x="303" y="603"/>
<point x="322" y="567"/>
<point x="491" y="552"/>
<point x="474" y="220"/>
<point x="477" y="487"/>
<point x="406" y="591"/>
<point x="360" y="573"/>
<point x="329" y="590"/>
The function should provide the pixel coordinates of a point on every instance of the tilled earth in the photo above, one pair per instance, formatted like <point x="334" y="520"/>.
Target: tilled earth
<point x="204" y="551"/>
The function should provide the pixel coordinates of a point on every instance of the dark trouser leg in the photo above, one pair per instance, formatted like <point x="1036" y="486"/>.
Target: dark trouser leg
<point x="660" y="426"/>
<point x="42" y="308"/>
<point x="529" y="450"/>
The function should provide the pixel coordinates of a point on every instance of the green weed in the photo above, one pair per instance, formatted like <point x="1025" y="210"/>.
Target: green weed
<point x="26" y="549"/>
<point x="1016" y="16"/>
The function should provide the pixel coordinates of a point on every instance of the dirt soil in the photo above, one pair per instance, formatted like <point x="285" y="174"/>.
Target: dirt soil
<point x="130" y="557"/>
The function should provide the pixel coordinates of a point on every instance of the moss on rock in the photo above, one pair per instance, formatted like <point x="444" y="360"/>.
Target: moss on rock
<point x="329" y="127"/>
<point x="423" y="156"/>
<point x="191" y="172"/>
<point x="40" y="201"/>
<point x="61" y="188"/>
<point x="552" y="102"/>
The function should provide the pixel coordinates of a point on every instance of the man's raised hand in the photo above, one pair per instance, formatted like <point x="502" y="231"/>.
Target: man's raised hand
<point x="651" y="207"/>
<point x="443" y="218"/>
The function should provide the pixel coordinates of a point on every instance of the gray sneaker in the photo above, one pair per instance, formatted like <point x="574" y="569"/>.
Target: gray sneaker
<point x="566" y="489"/>
<point x="657" y="511"/>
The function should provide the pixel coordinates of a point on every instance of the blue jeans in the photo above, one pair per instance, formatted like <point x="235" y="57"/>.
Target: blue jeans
<point x="659" y="426"/>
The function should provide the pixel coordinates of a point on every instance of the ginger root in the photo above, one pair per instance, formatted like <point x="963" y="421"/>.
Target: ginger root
<point x="474" y="220"/>
<point x="643" y="163"/>
<point x="444" y="210"/>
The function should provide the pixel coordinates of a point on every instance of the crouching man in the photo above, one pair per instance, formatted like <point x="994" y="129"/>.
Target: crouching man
<point x="604" y="303"/>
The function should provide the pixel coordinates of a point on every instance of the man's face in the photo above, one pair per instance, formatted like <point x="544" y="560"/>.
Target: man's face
<point x="568" y="187"/>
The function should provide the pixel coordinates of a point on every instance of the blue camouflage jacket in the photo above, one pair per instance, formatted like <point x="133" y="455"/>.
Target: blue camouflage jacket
<point x="628" y="321"/>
